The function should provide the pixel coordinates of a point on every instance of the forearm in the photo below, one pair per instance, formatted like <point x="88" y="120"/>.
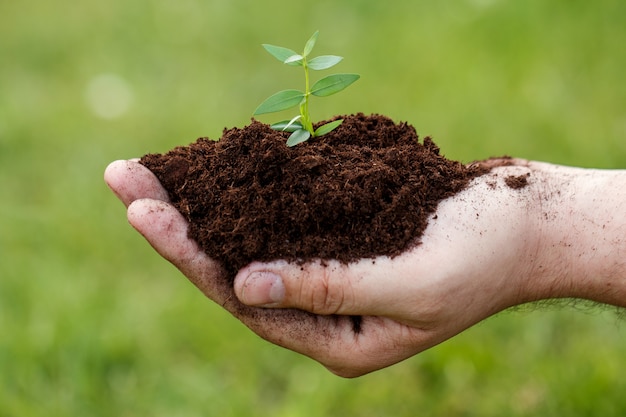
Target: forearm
<point x="582" y="228"/>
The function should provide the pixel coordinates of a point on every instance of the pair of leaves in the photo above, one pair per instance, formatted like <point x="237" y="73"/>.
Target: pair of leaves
<point x="289" y="57"/>
<point x="287" y="99"/>
<point x="299" y="134"/>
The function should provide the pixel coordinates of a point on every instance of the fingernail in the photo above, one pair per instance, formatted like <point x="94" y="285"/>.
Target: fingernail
<point x="263" y="289"/>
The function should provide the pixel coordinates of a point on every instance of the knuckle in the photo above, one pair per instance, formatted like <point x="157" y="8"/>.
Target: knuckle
<point x="326" y="292"/>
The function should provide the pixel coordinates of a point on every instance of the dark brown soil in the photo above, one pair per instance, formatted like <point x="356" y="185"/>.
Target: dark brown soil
<point x="363" y="190"/>
<point x="517" y="182"/>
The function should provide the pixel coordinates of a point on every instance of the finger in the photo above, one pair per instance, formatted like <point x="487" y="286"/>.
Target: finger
<point x="368" y="287"/>
<point x="130" y="181"/>
<point x="166" y="230"/>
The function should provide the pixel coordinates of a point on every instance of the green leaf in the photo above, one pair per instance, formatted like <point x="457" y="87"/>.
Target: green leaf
<point x="310" y="44"/>
<point x="328" y="127"/>
<point x="288" y="125"/>
<point x="333" y="84"/>
<point x="294" y="120"/>
<point x="285" y="127"/>
<point x="282" y="100"/>
<point x="324" y="62"/>
<point x="294" y="59"/>
<point x="299" y="136"/>
<point x="280" y="53"/>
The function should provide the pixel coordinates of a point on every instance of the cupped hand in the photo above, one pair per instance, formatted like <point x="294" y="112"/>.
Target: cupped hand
<point x="474" y="260"/>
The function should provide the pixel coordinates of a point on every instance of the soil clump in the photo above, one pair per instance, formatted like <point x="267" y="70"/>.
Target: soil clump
<point x="364" y="190"/>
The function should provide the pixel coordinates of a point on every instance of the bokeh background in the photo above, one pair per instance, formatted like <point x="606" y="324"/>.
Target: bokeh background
<point x="93" y="322"/>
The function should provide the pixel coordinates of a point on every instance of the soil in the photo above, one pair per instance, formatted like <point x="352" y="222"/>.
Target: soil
<point x="364" y="190"/>
<point x="517" y="182"/>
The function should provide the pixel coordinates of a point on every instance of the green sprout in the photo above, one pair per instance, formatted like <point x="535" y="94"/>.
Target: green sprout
<point x="301" y="127"/>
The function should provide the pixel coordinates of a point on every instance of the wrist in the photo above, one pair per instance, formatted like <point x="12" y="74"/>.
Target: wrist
<point x="581" y="229"/>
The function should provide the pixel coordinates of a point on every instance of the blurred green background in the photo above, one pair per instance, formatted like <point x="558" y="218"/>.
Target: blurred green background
<point x="92" y="322"/>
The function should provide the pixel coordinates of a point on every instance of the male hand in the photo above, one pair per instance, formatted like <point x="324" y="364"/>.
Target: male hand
<point x="484" y="250"/>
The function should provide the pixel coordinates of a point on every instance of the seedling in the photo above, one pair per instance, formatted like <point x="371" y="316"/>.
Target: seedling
<point x="301" y="126"/>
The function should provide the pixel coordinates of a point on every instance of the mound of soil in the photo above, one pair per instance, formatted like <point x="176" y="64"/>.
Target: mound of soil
<point x="364" y="190"/>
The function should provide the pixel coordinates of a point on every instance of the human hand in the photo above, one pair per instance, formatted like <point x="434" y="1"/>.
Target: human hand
<point x="484" y="250"/>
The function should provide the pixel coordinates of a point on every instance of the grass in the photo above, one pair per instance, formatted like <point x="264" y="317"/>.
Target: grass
<point x="95" y="323"/>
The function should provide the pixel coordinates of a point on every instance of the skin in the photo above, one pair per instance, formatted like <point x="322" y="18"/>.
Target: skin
<point x="486" y="249"/>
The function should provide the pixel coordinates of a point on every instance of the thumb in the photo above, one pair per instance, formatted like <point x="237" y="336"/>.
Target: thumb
<point x="321" y="288"/>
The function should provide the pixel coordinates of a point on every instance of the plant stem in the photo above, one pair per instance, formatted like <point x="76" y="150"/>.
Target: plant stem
<point x="304" y="107"/>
